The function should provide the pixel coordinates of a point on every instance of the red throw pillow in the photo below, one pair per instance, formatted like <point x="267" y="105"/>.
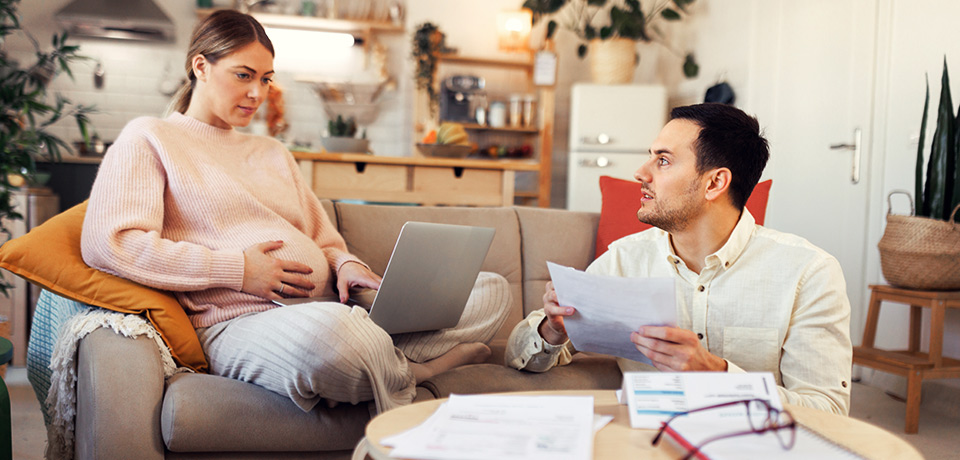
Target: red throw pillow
<point x="621" y="201"/>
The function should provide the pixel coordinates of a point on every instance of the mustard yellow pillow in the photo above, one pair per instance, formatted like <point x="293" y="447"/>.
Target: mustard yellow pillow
<point x="49" y="256"/>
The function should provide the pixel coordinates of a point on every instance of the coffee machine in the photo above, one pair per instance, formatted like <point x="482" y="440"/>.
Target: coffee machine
<point x="459" y="95"/>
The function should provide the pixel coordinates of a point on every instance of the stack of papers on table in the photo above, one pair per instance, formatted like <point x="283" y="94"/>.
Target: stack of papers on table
<point x="480" y="427"/>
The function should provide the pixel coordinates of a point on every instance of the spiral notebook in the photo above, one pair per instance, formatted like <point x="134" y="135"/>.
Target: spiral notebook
<point x="688" y="432"/>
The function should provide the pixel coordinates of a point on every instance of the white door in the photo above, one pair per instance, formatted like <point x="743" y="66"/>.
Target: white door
<point x="813" y="89"/>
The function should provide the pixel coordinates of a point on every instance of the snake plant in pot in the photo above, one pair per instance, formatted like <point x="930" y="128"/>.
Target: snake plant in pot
<point x="27" y="112"/>
<point x="923" y="251"/>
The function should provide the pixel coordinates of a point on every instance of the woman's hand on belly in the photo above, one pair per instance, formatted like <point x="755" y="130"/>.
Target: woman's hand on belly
<point x="272" y="278"/>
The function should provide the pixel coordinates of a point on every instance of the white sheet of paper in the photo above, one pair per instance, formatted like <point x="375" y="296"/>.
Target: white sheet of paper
<point x="609" y="308"/>
<point x="507" y="427"/>
<point x="653" y="397"/>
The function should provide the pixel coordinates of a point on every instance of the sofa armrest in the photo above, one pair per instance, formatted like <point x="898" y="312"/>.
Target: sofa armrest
<point x="119" y="397"/>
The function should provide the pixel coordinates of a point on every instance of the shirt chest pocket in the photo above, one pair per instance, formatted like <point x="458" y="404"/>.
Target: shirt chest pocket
<point x="754" y="349"/>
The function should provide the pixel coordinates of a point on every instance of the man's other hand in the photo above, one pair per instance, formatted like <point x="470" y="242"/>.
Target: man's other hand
<point x="551" y="329"/>
<point x="675" y="350"/>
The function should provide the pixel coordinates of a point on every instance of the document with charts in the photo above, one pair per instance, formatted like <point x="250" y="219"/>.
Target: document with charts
<point x="654" y="397"/>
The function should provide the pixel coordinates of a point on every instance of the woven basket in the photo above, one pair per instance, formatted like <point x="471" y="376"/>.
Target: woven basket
<point x="920" y="253"/>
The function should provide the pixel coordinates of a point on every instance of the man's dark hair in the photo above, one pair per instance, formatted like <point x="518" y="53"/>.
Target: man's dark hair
<point x="729" y="138"/>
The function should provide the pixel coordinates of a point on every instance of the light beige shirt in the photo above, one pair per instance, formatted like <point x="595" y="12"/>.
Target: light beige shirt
<point x="766" y="301"/>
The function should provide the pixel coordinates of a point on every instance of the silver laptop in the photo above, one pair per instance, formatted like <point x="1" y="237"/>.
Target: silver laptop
<point x="428" y="279"/>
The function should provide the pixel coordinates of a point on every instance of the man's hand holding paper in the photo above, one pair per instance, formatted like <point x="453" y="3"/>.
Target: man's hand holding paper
<point x="608" y="309"/>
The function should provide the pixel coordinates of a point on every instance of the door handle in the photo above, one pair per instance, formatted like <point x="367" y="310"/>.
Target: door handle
<point x="599" y="162"/>
<point x="599" y="139"/>
<point x="856" y="148"/>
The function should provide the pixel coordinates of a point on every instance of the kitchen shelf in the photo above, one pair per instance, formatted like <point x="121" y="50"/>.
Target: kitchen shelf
<point x="505" y="129"/>
<point x="289" y="21"/>
<point x="543" y="131"/>
<point x="526" y="65"/>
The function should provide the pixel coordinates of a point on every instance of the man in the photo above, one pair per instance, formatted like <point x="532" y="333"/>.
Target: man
<point x="748" y="298"/>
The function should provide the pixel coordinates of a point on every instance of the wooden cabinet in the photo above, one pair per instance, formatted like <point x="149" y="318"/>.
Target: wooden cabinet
<point x="539" y="136"/>
<point x="415" y="180"/>
<point x="36" y="205"/>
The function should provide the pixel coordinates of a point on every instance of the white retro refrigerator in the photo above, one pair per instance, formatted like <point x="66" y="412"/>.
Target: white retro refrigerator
<point x="611" y="129"/>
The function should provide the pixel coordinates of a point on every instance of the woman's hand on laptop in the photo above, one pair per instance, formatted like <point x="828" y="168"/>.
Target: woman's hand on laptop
<point x="552" y="329"/>
<point x="272" y="278"/>
<point x="352" y="274"/>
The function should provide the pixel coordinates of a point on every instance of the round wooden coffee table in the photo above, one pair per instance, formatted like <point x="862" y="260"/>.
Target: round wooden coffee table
<point x="617" y="440"/>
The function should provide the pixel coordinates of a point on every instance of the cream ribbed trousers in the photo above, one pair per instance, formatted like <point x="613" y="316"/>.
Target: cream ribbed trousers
<point x="335" y="352"/>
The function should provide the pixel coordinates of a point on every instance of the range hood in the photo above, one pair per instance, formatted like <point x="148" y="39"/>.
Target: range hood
<point x="125" y="19"/>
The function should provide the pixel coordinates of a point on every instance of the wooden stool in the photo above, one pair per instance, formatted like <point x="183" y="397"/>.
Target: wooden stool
<point x="912" y="363"/>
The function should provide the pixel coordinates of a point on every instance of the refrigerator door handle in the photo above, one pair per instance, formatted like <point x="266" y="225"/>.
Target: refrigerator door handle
<point x="599" y="139"/>
<point x="598" y="162"/>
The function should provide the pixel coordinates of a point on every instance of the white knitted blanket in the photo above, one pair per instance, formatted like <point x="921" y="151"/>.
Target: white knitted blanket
<point x="62" y="397"/>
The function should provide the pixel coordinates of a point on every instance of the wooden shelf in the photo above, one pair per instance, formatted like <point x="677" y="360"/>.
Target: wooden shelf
<point x="505" y="129"/>
<point x="526" y="65"/>
<point x="289" y="21"/>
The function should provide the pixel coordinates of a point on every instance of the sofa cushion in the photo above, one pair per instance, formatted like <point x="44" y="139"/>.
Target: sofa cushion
<point x="621" y="201"/>
<point x="49" y="256"/>
<point x="562" y="237"/>
<point x="208" y="413"/>
<point x="372" y="230"/>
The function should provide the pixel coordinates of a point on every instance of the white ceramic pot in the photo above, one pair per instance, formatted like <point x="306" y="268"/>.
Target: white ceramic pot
<point x="612" y="61"/>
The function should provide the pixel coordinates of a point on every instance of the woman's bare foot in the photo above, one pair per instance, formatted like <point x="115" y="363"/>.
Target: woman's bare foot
<point x="460" y="355"/>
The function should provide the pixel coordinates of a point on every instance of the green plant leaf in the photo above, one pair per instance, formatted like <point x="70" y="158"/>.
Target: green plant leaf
<point x="597" y="2"/>
<point x="670" y="14"/>
<point x="605" y="33"/>
<point x="939" y="185"/>
<point x="918" y="178"/>
<point x="551" y="28"/>
<point x="690" y="66"/>
<point x="581" y="51"/>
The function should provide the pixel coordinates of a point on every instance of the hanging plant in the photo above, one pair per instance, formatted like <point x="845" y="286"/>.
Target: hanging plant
<point x="428" y="44"/>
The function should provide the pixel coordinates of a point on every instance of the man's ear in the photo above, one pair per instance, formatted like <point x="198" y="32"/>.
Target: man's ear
<point x="718" y="183"/>
<point x="201" y="67"/>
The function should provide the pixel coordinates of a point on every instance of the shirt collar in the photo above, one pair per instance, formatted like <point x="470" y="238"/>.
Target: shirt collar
<point x="729" y="252"/>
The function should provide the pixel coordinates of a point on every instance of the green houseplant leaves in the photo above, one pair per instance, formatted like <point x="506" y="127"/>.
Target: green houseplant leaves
<point x="941" y="190"/>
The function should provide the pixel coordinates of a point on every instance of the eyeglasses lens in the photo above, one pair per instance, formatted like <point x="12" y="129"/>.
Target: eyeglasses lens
<point x="787" y="433"/>
<point x="759" y="415"/>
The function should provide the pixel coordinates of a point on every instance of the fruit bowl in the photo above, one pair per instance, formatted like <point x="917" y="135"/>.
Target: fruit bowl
<point x="445" y="150"/>
<point x="338" y="144"/>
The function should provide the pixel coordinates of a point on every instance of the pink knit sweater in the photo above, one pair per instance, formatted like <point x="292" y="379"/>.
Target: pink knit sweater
<point x="176" y="201"/>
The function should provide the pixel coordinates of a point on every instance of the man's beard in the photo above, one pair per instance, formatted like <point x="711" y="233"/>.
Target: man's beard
<point x="675" y="214"/>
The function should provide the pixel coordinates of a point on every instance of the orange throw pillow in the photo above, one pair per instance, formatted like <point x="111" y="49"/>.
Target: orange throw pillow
<point x="49" y="256"/>
<point x="621" y="201"/>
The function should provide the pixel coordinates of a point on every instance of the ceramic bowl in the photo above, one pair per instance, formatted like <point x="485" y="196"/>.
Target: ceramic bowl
<point x="335" y="144"/>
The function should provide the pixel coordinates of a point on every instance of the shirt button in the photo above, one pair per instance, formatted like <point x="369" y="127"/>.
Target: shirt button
<point x="844" y="384"/>
<point x="700" y="336"/>
<point x="701" y="288"/>
<point x="676" y="261"/>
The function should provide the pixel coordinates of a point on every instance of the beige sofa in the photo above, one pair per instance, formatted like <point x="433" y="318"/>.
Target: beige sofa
<point x="126" y="410"/>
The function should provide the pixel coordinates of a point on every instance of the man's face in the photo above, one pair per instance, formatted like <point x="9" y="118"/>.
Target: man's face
<point x="672" y="188"/>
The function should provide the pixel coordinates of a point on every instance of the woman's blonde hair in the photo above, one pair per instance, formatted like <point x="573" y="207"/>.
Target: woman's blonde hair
<point x="220" y="34"/>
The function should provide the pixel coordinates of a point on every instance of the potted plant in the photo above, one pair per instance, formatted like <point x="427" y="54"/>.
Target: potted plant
<point x="27" y="113"/>
<point x="342" y="137"/>
<point x="610" y="29"/>
<point x="922" y="251"/>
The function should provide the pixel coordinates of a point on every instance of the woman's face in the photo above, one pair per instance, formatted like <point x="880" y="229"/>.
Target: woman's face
<point x="229" y="92"/>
